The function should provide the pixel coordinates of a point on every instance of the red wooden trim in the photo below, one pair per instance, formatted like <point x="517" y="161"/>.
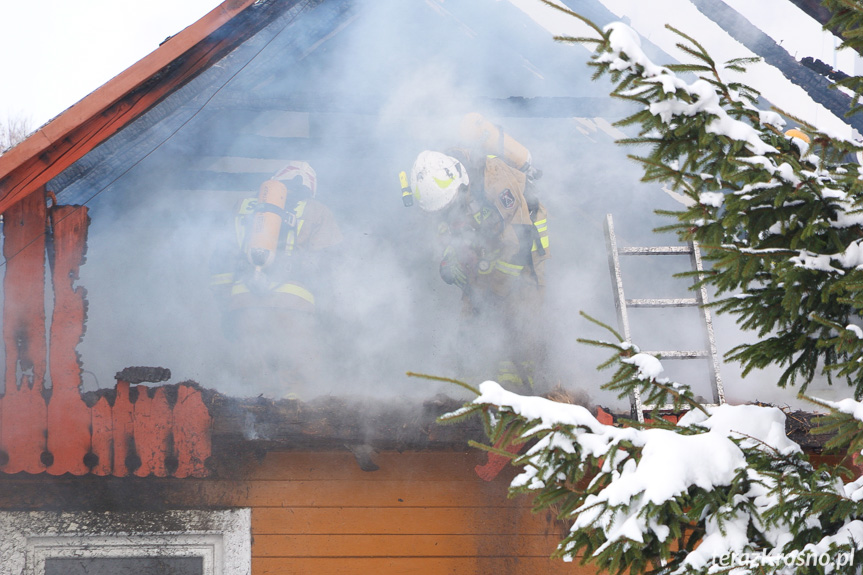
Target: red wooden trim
<point x="24" y="288"/>
<point x="495" y="464"/>
<point x="63" y="435"/>
<point x="23" y="416"/>
<point x="604" y="416"/>
<point x="152" y="429"/>
<point x="124" y="426"/>
<point x="157" y="437"/>
<point x="192" y="440"/>
<point x="102" y="441"/>
<point x="24" y="420"/>
<point x="142" y="426"/>
<point x="68" y="416"/>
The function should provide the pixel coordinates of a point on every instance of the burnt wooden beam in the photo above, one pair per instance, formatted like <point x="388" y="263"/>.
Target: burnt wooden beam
<point x="816" y="10"/>
<point x="260" y="424"/>
<point x="819" y="88"/>
<point x="374" y="105"/>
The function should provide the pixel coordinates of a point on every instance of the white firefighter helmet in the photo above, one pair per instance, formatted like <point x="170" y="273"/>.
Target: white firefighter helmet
<point x="436" y="179"/>
<point x="298" y="174"/>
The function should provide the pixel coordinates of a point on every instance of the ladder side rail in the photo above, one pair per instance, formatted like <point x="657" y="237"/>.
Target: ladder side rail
<point x="620" y="305"/>
<point x="701" y="296"/>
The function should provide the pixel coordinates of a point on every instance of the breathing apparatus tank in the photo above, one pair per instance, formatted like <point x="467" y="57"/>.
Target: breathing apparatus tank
<point x="263" y="234"/>
<point x="477" y="131"/>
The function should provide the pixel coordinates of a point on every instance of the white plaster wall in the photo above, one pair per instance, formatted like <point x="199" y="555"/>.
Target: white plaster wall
<point x="222" y="538"/>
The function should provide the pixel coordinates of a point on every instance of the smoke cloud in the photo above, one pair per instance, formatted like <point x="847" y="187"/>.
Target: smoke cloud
<point x="358" y="90"/>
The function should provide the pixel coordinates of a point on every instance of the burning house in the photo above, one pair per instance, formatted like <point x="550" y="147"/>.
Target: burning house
<point x="135" y="429"/>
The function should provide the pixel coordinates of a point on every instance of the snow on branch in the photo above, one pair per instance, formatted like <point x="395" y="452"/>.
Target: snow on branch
<point x="634" y="488"/>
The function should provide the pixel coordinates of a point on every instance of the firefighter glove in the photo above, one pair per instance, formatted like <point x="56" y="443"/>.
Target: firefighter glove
<point x="451" y="270"/>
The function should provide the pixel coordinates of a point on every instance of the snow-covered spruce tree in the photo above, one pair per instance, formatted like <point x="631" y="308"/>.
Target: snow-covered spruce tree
<point x="724" y="490"/>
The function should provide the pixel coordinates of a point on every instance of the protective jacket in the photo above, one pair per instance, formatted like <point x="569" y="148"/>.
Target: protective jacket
<point x="498" y="229"/>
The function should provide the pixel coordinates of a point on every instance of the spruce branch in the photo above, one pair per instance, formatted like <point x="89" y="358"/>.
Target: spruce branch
<point x="457" y="382"/>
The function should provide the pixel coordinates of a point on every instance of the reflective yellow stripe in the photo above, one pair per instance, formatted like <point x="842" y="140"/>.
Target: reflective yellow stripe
<point x="543" y="240"/>
<point x="248" y="206"/>
<point x="508" y="269"/>
<point x="542" y="228"/>
<point x="289" y="289"/>
<point x="299" y="291"/>
<point x="221" y="279"/>
<point x="292" y="235"/>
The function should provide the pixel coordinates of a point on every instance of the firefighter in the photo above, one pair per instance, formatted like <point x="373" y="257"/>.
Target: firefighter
<point x="268" y="279"/>
<point x="494" y="239"/>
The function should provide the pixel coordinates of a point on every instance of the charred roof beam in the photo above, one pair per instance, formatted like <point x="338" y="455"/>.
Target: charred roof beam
<point x="819" y="88"/>
<point x="513" y="106"/>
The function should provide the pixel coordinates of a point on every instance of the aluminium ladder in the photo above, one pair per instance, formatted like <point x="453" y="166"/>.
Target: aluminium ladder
<point x="622" y="304"/>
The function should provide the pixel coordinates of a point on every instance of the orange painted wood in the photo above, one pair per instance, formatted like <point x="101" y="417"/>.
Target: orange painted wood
<point x="408" y="465"/>
<point x="68" y="416"/>
<point x="102" y="440"/>
<point x="152" y="429"/>
<point x="123" y="423"/>
<point x="496" y="463"/>
<point x="24" y="288"/>
<point x="69" y="437"/>
<point x="423" y="545"/>
<point x="418" y="566"/>
<point x="394" y="520"/>
<point x="348" y="493"/>
<point x="24" y="421"/>
<point x="192" y="425"/>
<point x="604" y="416"/>
<point x="146" y="442"/>
<point x="23" y="417"/>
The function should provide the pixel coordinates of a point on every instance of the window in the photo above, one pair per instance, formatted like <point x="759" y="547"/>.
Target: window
<point x="125" y="566"/>
<point x="126" y="543"/>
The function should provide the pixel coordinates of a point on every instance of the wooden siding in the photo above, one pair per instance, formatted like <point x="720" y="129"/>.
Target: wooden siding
<point x="421" y="512"/>
<point x="318" y="513"/>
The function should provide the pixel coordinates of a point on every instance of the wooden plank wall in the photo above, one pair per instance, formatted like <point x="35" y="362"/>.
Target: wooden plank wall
<point x="421" y="512"/>
<point x="137" y="432"/>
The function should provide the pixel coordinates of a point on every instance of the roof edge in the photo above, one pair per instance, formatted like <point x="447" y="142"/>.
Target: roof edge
<point x="111" y="93"/>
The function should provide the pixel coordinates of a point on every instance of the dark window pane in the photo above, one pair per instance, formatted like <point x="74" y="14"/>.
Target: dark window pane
<point x="125" y="566"/>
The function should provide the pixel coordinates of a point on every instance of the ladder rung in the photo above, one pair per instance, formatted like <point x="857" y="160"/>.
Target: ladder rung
<point x="680" y="354"/>
<point x="655" y="251"/>
<point x="663" y="302"/>
<point x="670" y="407"/>
<point x="666" y="407"/>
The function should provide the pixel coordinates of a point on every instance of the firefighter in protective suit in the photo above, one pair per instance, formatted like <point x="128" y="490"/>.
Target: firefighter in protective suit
<point x="267" y="282"/>
<point x="494" y="238"/>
